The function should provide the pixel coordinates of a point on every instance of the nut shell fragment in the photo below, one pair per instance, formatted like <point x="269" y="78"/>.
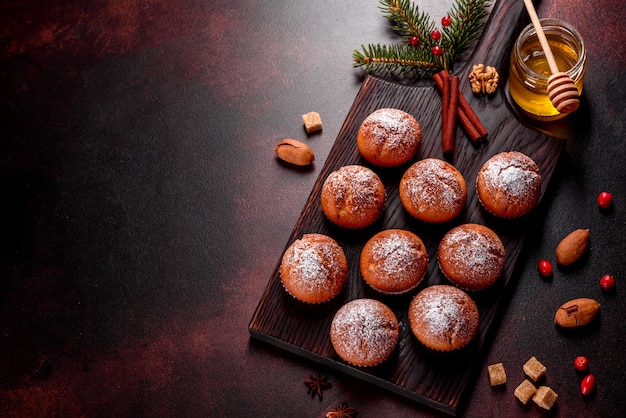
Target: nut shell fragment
<point x="572" y="247"/>
<point x="576" y="312"/>
<point x="294" y="152"/>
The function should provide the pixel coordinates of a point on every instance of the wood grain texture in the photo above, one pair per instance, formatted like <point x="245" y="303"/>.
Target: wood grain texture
<point x="434" y="379"/>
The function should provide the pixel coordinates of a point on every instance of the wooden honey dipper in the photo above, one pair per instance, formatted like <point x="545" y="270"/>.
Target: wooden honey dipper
<point x="562" y="91"/>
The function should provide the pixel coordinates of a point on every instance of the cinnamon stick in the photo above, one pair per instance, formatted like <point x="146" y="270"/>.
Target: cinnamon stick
<point x="474" y="121"/>
<point x="469" y="127"/>
<point x="449" y="128"/>
<point x="447" y="143"/>
<point x="466" y="116"/>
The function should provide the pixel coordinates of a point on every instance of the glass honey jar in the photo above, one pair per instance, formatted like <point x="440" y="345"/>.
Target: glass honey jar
<point x="529" y="69"/>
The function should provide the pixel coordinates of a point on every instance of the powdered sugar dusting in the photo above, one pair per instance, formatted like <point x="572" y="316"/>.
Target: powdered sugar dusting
<point x="392" y="129"/>
<point x="471" y="256"/>
<point x="396" y="252"/>
<point x="513" y="173"/>
<point x="444" y="314"/>
<point x="432" y="183"/>
<point x="441" y="314"/>
<point x="356" y="187"/>
<point x="316" y="265"/>
<point x="364" y="330"/>
<point x="397" y="256"/>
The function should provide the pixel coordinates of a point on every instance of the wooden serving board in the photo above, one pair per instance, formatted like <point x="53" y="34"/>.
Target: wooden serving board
<point x="435" y="379"/>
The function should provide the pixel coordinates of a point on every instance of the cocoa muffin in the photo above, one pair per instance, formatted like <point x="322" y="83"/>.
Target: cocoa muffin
<point x="353" y="196"/>
<point x="394" y="261"/>
<point x="471" y="256"/>
<point x="433" y="190"/>
<point x="364" y="332"/>
<point x="509" y="184"/>
<point x="389" y="137"/>
<point x="443" y="317"/>
<point x="314" y="269"/>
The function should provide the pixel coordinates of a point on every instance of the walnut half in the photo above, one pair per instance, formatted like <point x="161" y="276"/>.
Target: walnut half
<point x="484" y="79"/>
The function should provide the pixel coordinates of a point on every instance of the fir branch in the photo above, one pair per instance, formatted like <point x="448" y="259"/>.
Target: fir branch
<point x="408" y="20"/>
<point x="394" y="59"/>
<point x="467" y="18"/>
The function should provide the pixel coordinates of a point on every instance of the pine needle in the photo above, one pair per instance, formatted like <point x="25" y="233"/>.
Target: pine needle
<point x="466" y="20"/>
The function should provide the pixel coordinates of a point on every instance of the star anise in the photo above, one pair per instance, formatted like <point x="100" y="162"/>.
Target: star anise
<point x="317" y="384"/>
<point x="342" y="411"/>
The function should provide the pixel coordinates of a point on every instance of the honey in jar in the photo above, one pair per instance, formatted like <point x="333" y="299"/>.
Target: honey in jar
<point x="529" y="70"/>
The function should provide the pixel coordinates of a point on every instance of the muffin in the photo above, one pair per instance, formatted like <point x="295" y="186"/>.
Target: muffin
<point x="433" y="190"/>
<point x="471" y="256"/>
<point x="443" y="317"/>
<point x="394" y="261"/>
<point x="509" y="184"/>
<point x="389" y="137"/>
<point x="364" y="332"/>
<point x="314" y="269"/>
<point x="353" y="196"/>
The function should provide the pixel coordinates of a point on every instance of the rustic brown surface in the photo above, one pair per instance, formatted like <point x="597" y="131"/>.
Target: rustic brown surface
<point x="143" y="209"/>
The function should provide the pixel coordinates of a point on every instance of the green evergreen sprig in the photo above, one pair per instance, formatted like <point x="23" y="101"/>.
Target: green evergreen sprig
<point x="415" y="55"/>
<point x="395" y="59"/>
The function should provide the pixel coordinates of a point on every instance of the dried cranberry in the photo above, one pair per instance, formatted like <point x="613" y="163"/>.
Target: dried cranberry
<point x="581" y="363"/>
<point x="605" y="200"/>
<point x="587" y="384"/>
<point x="607" y="282"/>
<point x="545" y="268"/>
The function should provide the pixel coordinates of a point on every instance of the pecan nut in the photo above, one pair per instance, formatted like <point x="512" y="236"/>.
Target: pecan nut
<point x="294" y="152"/>
<point x="576" y="312"/>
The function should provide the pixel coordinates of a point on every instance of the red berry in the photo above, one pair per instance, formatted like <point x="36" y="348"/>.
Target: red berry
<point x="605" y="200"/>
<point x="545" y="268"/>
<point x="446" y="21"/>
<point x="607" y="282"/>
<point x="435" y="35"/>
<point x="587" y="385"/>
<point x="580" y="363"/>
<point x="437" y="51"/>
<point x="414" y="41"/>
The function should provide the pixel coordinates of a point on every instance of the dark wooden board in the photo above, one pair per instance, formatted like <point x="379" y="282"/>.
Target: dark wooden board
<point x="434" y="379"/>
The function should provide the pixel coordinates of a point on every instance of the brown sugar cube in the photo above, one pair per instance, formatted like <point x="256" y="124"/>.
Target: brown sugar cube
<point x="534" y="369"/>
<point x="497" y="375"/>
<point x="545" y="397"/>
<point x="525" y="391"/>
<point x="312" y="122"/>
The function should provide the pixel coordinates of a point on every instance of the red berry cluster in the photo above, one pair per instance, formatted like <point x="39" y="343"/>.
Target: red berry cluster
<point x="435" y="35"/>
<point x="589" y="381"/>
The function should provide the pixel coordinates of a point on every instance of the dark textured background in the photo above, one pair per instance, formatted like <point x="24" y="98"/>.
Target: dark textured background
<point x="142" y="210"/>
